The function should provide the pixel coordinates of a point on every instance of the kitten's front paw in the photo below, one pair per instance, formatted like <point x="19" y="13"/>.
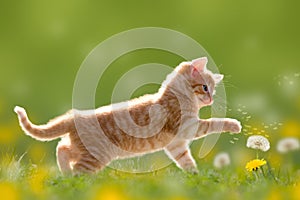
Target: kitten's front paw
<point x="233" y="126"/>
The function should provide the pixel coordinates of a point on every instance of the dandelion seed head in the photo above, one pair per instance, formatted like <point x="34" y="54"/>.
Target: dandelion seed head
<point x="288" y="144"/>
<point x="258" y="142"/>
<point x="221" y="160"/>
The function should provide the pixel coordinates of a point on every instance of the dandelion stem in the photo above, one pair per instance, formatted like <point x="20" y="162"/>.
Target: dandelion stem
<point x="271" y="173"/>
<point x="256" y="176"/>
<point x="263" y="172"/>
<point x="288" y="176"/>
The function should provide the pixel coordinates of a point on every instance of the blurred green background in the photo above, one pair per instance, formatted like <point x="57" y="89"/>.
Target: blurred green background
<point x="43" y="43"/>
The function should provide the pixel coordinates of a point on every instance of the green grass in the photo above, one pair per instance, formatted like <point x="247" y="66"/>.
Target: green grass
<point x="28" y="181"/>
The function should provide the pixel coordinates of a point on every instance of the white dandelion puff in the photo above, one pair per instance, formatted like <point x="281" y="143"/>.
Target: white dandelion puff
<point x="258" y="142"/>
<point x="288" y="144"/>
<point x="221" y="160"/>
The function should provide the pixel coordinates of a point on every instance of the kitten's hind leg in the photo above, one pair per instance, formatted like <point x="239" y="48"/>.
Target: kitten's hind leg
<point x="64" y="158"/>
<point x="87" y="164"/>
<point x="180" y="153"/>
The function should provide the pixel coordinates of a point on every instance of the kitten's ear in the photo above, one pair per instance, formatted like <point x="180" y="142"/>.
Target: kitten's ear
<point x="200" y="64"/>
<point x="218" y="78"/>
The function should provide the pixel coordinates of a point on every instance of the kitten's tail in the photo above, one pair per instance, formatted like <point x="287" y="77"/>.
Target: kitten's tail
<point x="50" y="131"/>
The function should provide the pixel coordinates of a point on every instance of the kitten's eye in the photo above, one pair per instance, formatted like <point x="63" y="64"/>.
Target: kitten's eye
<point x="205" y="88"/>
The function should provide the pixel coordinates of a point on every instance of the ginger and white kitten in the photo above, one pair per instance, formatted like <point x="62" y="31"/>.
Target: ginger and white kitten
<point x="167" y="120"/>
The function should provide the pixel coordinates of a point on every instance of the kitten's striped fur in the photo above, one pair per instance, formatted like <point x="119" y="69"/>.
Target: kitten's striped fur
<point x="166" y="120"/>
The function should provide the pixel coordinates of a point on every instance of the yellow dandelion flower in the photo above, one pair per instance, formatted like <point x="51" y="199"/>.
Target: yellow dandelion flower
<point x="255" y="164"/>
<point x="8" y="134"/>
<point x="296" y="192"/>
<point x="37" y="152"/>
<point x="111" y="193"/>
<point x="274" y="194"/>
<point x="290" y="128"/>
<point x="179" y="198"/>
<point x="8" y="191"/>
<point x="36" y="181"/>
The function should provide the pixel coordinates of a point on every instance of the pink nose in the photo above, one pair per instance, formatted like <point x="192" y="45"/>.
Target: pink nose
<point x="208" y="100"/>
<point x="211" y="100"/>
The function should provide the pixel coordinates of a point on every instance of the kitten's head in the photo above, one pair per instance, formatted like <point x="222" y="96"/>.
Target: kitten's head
<point x="203" y="81"/>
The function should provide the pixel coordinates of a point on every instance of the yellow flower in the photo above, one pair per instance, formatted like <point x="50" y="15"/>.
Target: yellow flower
<point x="290" y="128"/>
<point x="111" y="193"/>
<point x="37" y="152"/>
<point x="275" y="194"/>
<point x="8" y="191"/>
<point x="255" y="164"/>
<point x="36" y="181"/>
<point x="8" y="134"/>
<point x="296" y="192"/>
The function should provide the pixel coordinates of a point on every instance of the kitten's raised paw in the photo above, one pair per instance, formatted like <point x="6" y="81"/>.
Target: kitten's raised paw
<point x="233" y="126"/>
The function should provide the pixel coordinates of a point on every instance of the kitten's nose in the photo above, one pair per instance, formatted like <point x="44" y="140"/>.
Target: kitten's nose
<point x="211" y="101"/>
<point x="208" y="100"/>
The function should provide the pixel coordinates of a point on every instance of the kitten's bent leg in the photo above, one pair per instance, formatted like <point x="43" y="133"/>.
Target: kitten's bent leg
<point x="218" y="125"/>
<point x="88" y="164"/>
<point x="180" y="153"/>
<point x="82" y="167"/>
<point x="64" y="158"/>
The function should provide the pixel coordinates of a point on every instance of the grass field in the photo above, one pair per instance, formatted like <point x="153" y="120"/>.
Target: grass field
<point x="255" y="44"/>
<point x="28" y="181"/>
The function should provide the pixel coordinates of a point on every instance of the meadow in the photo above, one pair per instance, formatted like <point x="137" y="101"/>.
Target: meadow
<point x="29" y="181"/>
